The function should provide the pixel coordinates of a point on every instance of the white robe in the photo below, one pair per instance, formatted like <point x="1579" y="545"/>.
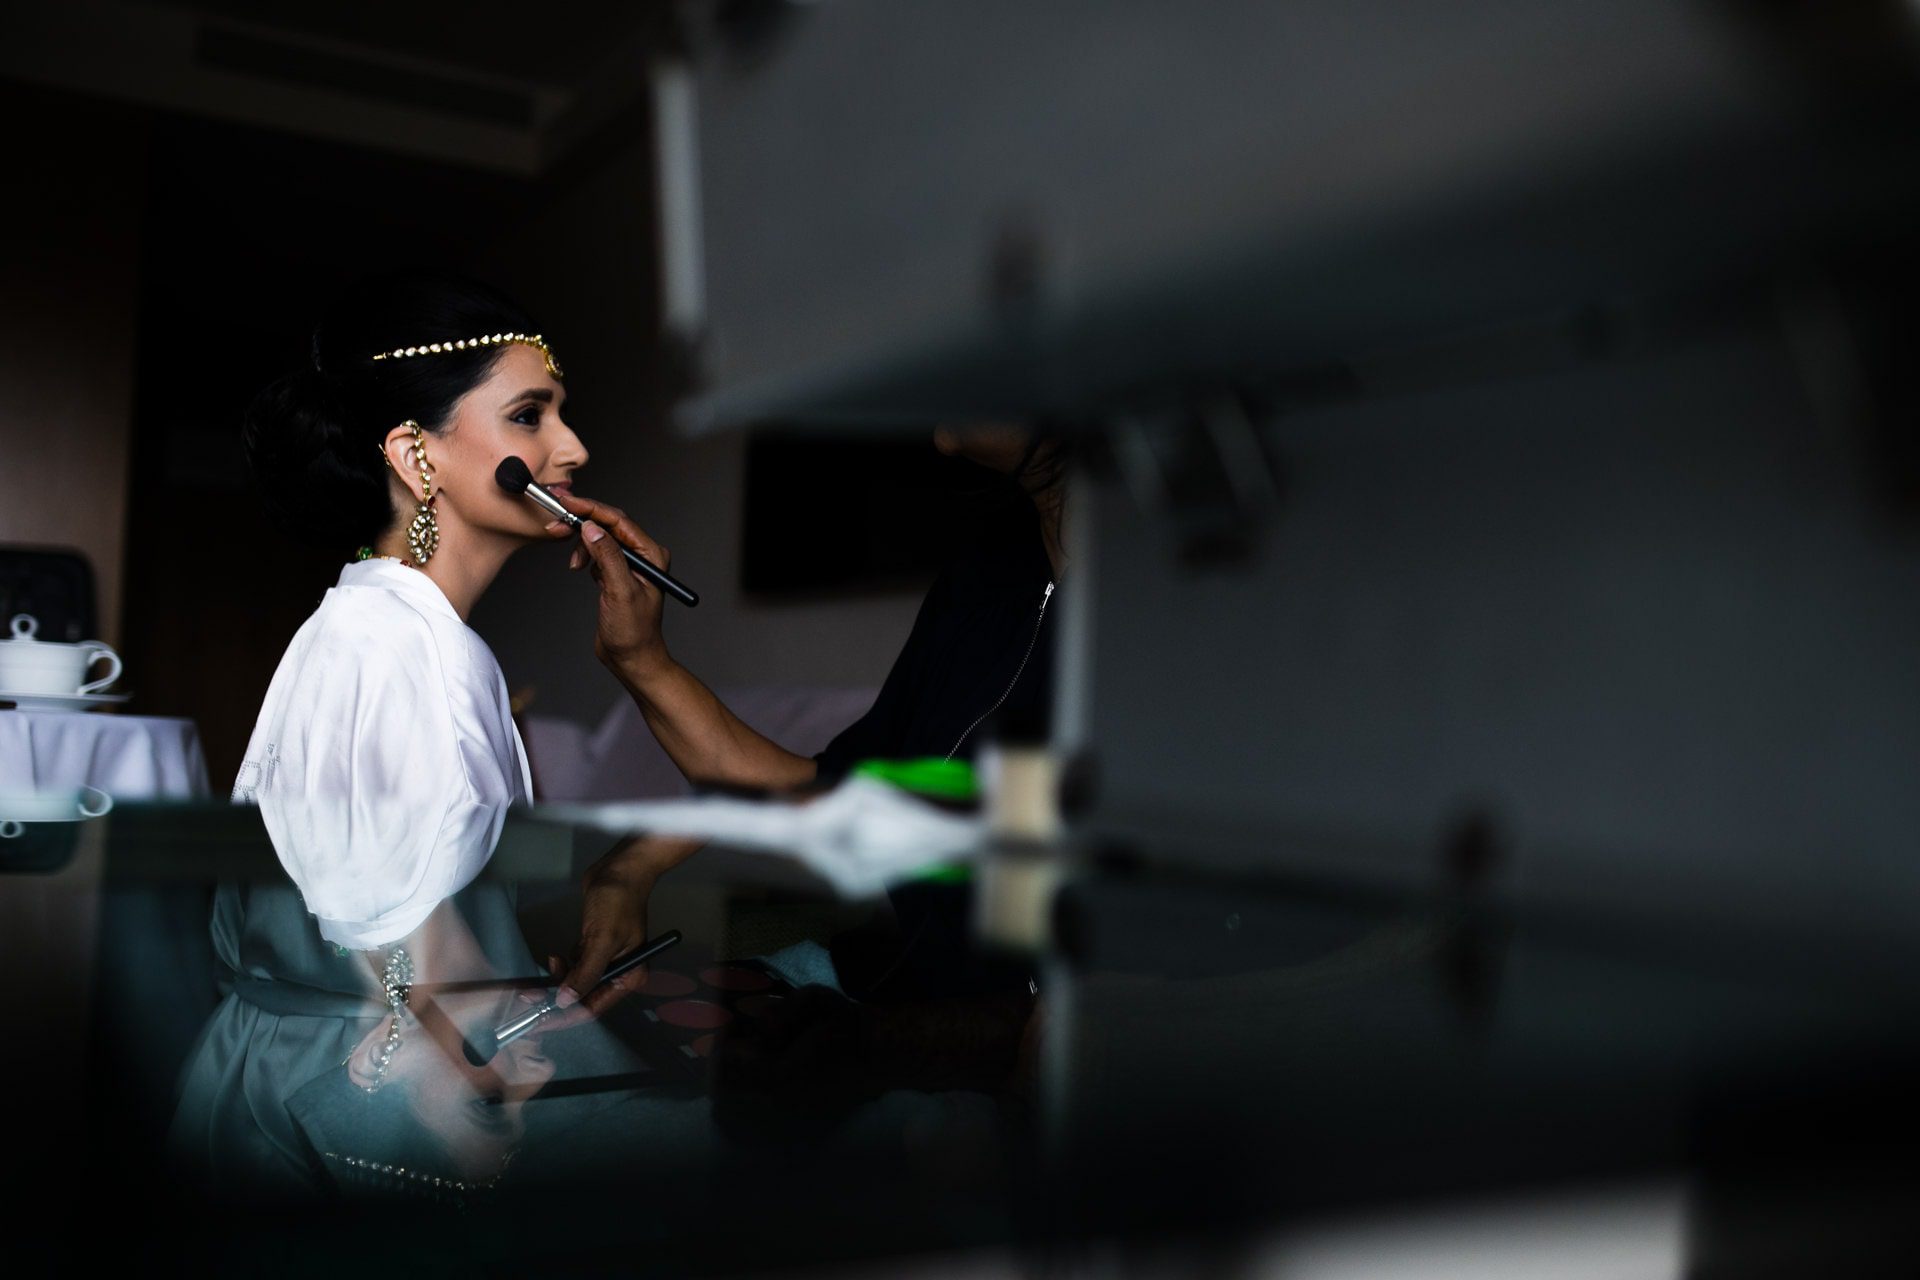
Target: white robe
<point x="384" y="755"/>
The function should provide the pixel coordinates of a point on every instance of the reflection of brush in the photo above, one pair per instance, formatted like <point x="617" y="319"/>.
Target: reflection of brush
<point x="481" y="1054"/>
<point x="581" y="1085"/>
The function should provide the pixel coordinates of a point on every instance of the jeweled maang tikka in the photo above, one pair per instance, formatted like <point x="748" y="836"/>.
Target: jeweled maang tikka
<point x="468" y="344"/>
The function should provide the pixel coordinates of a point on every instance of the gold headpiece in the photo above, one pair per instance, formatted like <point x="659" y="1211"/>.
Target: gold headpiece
<point x="467" y="344"/>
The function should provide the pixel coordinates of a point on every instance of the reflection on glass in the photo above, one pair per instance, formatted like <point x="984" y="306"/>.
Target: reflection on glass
<point x="383" y="762"/>
<point x="323" y="1061"/>
<point x="39" y="827"/>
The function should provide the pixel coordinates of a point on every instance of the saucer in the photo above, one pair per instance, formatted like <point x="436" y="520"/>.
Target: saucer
<point x="63" y="701"/>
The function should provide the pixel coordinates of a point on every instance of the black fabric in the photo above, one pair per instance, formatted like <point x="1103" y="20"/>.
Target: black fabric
<point x="973" y="631"/>
<point x="980" y="634"/>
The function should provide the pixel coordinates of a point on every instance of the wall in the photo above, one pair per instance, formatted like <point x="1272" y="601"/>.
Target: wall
<point x="246" y="235"/>
<point x="68" y="299"/>
<point x="140" y="238"/>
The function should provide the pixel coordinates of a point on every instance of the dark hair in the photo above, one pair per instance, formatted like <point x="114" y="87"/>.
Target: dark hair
<point x="359" y="1140"/>
<point x="306" y="434"/>
<point x="1047" y="459"/>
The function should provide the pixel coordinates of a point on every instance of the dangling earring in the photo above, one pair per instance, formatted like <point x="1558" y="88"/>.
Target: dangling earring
<point x="396" y="983"/>
<point x="423" y="535"/>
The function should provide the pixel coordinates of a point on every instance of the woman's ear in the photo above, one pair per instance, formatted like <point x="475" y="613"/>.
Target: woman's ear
<point x="360" y="1061"/>
<point x="399" y="450"/>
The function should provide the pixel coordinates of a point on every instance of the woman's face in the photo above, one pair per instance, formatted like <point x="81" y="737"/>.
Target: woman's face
<point x="474" y="1112"/>
<point x="516" y="410"/>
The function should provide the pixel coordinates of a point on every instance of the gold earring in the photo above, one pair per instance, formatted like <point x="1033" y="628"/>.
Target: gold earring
<point x="423" y="535"/>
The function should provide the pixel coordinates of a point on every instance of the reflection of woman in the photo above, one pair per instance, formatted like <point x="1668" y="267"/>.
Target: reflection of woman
<point x="384" y="756"/>
<point x="423" y="1116"/>
<point x="305" y="1066"/>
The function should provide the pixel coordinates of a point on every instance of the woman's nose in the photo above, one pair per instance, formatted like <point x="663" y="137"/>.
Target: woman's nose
<point x="571" y="452"/>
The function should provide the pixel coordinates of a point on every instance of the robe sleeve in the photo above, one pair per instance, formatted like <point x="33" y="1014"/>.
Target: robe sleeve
<point x="378" y="771"/>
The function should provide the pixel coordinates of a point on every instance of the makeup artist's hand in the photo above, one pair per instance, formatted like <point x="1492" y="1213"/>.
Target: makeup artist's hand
<point x="628" y="633"/>
<point x="706" y="742"/>
<point x="613" y="921"/>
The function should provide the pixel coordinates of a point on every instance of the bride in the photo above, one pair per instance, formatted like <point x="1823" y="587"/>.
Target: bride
<point x="383" y="761"/>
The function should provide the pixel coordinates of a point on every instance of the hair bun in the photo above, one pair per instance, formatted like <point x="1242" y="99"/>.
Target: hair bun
<point x="304" y="463"/>
<point x="313" y="438"/>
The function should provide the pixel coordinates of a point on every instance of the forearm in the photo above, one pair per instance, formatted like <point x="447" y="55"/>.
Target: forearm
<point x="640" y="861"/>
<point x="706" y="741"/>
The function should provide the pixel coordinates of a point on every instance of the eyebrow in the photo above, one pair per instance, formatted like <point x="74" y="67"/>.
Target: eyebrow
<point x="543" y="394"/>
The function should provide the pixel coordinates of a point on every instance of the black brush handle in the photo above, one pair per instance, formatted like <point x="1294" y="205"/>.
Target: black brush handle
<point x="659" y="577"/>
<point x="648" y="950"/>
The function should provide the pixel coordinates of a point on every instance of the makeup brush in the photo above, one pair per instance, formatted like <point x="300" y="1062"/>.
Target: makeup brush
<point x="513" y="476"/>
<point x="481" y="1054"/>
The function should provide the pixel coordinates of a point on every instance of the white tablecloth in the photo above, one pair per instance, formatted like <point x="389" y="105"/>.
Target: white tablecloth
<point x="128" y="757"/>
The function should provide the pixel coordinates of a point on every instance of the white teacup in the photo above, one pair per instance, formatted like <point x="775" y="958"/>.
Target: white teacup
<point x="30" y="665"/>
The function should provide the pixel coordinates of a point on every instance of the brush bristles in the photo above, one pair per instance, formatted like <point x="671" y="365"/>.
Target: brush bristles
<point x="512" y="475"/>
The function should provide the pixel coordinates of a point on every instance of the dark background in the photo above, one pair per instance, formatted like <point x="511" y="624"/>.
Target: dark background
<point x="165" y="259"/>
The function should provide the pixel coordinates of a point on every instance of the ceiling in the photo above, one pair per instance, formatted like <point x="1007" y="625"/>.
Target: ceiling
<point x="559" y="46"/>
<point x="509" y="88"/>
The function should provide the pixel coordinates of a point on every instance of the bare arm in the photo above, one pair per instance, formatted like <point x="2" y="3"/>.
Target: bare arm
<point x="613" y="921"/>
<point x="705" y="740"/>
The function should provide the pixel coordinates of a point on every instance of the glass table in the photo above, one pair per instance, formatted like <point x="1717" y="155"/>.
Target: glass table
<point x="1188" y="1068"/>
